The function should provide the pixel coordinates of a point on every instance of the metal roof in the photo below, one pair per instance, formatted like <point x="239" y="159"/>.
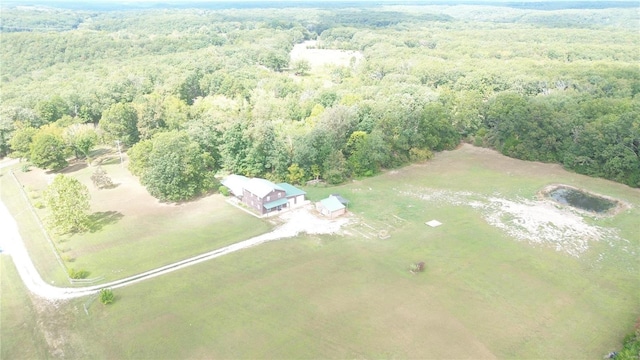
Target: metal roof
<point x="341" y="199"/>
<point x="332" y="204"/>
<point x="260" y="187"/>
<point x="275" y="203"/>
<point x="235" y="183"/>
<point x="291" y="190"/>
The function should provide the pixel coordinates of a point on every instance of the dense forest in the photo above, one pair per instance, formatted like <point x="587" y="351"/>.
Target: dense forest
<point x="191" y="92"/>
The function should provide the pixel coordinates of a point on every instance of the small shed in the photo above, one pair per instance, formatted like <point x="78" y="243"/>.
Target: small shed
<point x="331" y="207"/>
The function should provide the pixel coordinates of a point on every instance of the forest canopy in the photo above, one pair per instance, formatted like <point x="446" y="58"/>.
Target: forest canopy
<point x="552" y="85"/>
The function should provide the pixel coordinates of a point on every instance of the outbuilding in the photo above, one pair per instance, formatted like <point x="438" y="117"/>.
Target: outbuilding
<point x="331" y="207"/>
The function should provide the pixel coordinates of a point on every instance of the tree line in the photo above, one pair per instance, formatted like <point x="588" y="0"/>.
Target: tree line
<point x="216" y="94"/>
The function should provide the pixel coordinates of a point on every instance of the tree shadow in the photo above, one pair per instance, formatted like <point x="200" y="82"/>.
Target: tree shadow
<point x="112" y="186"/>
<point x="73" y="167"/>
<point x="100" y="152"/>
<point x="108" y="160"/>
<point x="99" y="220"/>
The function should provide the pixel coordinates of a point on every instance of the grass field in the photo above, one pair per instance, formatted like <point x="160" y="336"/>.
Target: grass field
<point x="132" y="231"/>
<point x="484" y="294"/>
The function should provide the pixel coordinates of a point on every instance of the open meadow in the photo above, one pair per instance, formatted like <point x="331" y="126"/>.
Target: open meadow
<point x="131" y="232"/>
<point x="508" y="275"/>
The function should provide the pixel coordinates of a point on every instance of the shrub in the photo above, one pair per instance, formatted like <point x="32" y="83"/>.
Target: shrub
<point x="417" y="267"/>
<point x="224" y="190"/>
<point x="25" y="167"/>
<point x="38" y="205"/>
<point x="100" y="179"/>
<point x="78" y="274"/>
<point x="106" y="296"/>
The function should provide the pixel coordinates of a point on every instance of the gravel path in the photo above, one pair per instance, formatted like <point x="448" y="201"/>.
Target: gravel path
<point x="297" y="221"/>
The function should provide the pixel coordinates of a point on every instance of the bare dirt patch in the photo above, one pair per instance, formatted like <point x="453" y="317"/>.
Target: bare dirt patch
<point x="537" y="222"/>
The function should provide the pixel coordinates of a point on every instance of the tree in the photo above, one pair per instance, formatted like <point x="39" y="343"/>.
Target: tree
<point x="6" y="127"/>
<point x="120" y="122"/>
<point x="48" y="149"/>
<point x="150" y="115"/>
<point x="190" y="89"/>
<point x="139" y="157"/>
<point x="81" y="138"/>
<point x="301" y="67"/>
<point x="52" y="109"/>
<point x="175" y="168"/>
<point x="68" y="202"/>
<point x="335" y="168"/>
<point x="234" y="148"/>
<point x="296" y="174"/>
<point x="101" y="179"/>
<point x="275" y="60"/>
<point x="266" y="153"/>
<point x="21" y="140"/>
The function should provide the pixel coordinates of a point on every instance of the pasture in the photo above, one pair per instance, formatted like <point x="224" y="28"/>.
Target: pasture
<point x="131" y="232"/>
<point x="488" y="291"/>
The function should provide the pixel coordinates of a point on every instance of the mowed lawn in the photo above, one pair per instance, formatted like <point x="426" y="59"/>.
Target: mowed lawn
<point x="131" y="231"/>
<point x="483" y="294"/>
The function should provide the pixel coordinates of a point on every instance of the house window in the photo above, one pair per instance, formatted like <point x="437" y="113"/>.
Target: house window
<point x="279" y="195"/>
<point x="268" y="198"/>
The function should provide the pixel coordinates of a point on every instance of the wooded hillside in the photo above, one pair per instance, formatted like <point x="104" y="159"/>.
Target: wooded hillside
<point x="554" y="86"/>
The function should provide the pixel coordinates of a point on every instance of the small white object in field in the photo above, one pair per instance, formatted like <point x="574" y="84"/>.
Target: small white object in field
<point x="433" y="223"/>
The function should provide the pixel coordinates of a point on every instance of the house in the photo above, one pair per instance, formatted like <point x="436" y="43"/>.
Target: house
<point x="264" y="196"/>
<point x="331" y="207"/>
<point x="295" y="196"/>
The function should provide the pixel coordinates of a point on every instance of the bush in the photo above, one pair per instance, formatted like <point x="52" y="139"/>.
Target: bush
<point x="417" y="267"/>
<point x="78" y="274"/>
<point x="100" y="179"/>
<point x="106" y="296"/>
<point x="38" y="205"/>
<point x="631" y="345"/>
<point x="25" y="167"/>
<point x="224" y="190"/>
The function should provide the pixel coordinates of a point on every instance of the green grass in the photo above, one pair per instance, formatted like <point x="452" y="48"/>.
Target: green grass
<point x="19" y="331"/>
<point x="123" y="245"/>
<point x="134" y="245"/>
<point x="39" y="248"/>
<point x="482" y="295"/>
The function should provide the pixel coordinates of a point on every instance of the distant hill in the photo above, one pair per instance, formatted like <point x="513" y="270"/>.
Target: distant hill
<point x="184" y="4"/>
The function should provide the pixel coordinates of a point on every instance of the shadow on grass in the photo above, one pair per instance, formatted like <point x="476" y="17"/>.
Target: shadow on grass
<point x="99" y="220"/>
<point x="100" y="152"/>
<point x="109" y="187"/>
<point x="110" y="160"/>
<point x="73" y="167"/>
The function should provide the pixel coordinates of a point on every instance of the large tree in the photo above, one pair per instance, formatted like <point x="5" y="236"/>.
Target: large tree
<point x="68" y="202"/>
<point x="81" y="138"/>
<point x="52" y="109"/>
<point x="173" y="167"/>
<point x="21" y="140"/>
<point x="48" y="148"/>
<point x="120" y="122"/>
